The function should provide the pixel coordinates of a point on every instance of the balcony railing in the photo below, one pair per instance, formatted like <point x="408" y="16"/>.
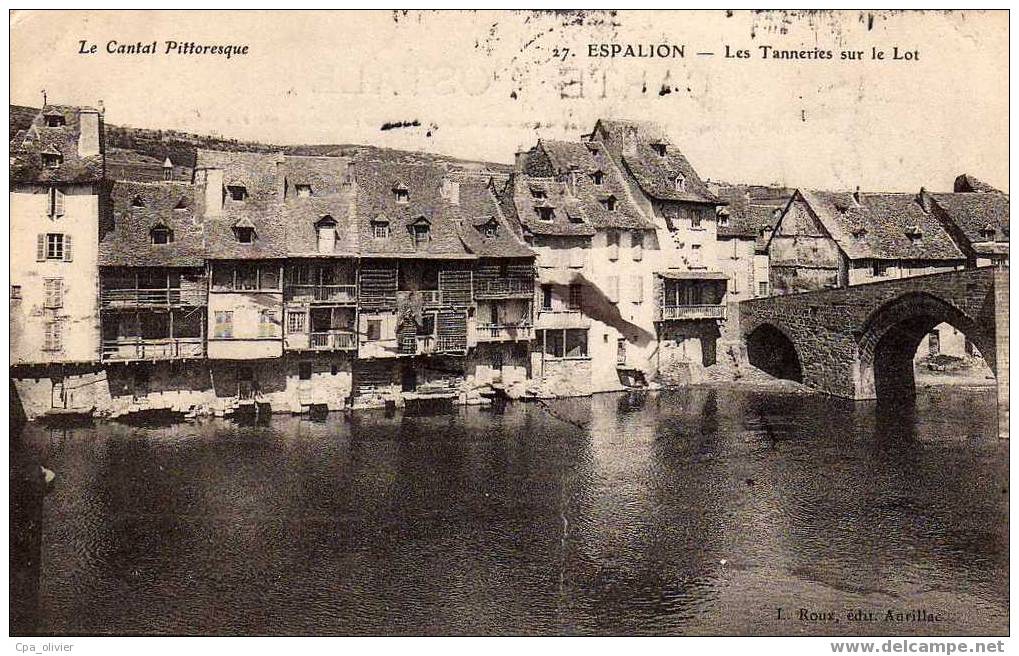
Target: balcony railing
<point x="693" y="312"/>
<point x="136" y="298"/>
<point x="503" y="288"/>
<point x="440" y="345"/>
<point x="333" y="340"/>
<point x="499" y="332"/>
<point x="322" y="293"/>
<point x="153" y="349"/>
<point x="377" y="301"/>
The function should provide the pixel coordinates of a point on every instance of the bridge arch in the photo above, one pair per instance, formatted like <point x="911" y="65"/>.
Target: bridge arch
<point x="891" y="334"/>
<point x="773" y="351"/>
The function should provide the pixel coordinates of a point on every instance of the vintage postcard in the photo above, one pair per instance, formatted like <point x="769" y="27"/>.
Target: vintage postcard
<point x="501" y="323"/>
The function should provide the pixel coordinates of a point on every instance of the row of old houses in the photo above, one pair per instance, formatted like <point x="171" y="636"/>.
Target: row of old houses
<point x="298" y="281"/>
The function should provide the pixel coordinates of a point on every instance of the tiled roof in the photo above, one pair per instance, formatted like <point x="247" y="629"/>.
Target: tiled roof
<point x="258" y="174"/>
<point x="137" y="207"/>
<point x="656" y="174"/>
<point x="332" y="195"/>
<point x="966" y="183"/>
<point x="978" y="215"/>
<point x="377" y="202"/>
<point x="569" y="214"/>
<point x="587" y="159"/>
<point x="28" y="146"/>
<point x="746" y="218"/>
<point x="879" y="226"/>
<point x="479" y="214"/>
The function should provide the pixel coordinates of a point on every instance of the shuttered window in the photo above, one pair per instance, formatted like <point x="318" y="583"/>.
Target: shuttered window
<point x="295" y="322"/>
<point x="55" y="202"/>
<point x="53" y="337"/>
<point x="267" y="322"/>
<point x="54" y="292"/>
<point x="637" y="246"/>
<point x="53" y="246"/>
<point x="224" y="326"/>
<point x="612" y="288"/>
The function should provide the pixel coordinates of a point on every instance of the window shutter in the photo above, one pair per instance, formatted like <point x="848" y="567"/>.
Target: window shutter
<point x="637" y="289"/>
<point x="638" y="246"/>
<point x="40" y="248"/>
<point x="67" y="248"/>
<point x="612" y="288"/>
<point x="58" y="203"/>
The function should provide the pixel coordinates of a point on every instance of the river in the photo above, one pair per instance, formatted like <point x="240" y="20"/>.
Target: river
<point x="686" y="512"/>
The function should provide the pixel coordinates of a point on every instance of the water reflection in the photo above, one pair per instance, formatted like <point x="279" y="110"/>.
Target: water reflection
<point x="695" y="511"/>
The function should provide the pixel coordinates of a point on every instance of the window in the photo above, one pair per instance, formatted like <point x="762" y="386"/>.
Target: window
<point x="421" y="234"/>
<point x="303" y="190"/>
<point x="554" y="343"/>
<point x="267" y="322"/>
<point x="15" y="292"/>
<point x="224" y="326"/>
<point x="597" y="177"/>
<point x="325" y="230"/>
<point x="879" y="269"/>
<point x="723" y="220"/>
<point x="304" y="371"/>
<point x="222" y="277"/>
<point x="612" y="288"/>
<point x="237" y="192"/>
<point x="576" y="299"/>
<point x="609" y="203"/>
<point x="53" y="337"/>
<point x="401" y="195"/>
<point x="54" y="292"/>
<point x="182" y="204"/>
<point x="636" y="289"/>
<point x="546" y="297"/>
<point x="54" y="246"/>
<point x="168" y="173"/>
<point x="374" y="330"/>
<point x="497" y="360"/>
<point x="296" y="322"/>
<point x="246" y="277"/>
<point x="637" y="246"/>
<point x="427" y="326"/>
<point x="695" y="219"/>
<point x="576" y="343"/>
<point x="659" y="148"/>
<point x="612" y="238"/>
<point x="988" y="234"/>
<point x="380" y="230"/>
<point x="245" y="234"/>
<point x="538" y="193"/>
<point x="696" y="256"/>
<point x="160" y="234"/>
<point x="52" y="160"/>
<point x="137" y="202"/>
<point x="762" y="289"/>
<point x="55" y="120"/>
<point x="545" y="213"/>
<point x="55" y="202"/>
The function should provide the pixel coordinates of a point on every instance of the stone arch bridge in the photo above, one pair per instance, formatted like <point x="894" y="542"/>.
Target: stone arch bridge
<point x="858" y="342"/>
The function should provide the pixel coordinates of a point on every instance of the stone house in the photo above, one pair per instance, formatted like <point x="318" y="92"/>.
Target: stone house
<point x="976" y="215"/>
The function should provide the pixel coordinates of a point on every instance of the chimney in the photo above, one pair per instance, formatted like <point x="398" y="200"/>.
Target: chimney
<point x="856" y="195"/>
<point x="572" y="182"/>
<point x="214" y="192"/>
<point x="520" y="160"/>
<point x="88" y="132"/>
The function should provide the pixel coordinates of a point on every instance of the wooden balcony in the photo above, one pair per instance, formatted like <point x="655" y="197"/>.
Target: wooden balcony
<point x="321" y="294"/>
<point x="329" y="340"/>
<point x="561" y="318"/>
<point x="692" y="312"/>
<point x="511" y="288"/>
<point x="435" y="345"/>
<point x="491" y="332"/>
<point x="171" y="348"/>
<point x="110" y="299"/>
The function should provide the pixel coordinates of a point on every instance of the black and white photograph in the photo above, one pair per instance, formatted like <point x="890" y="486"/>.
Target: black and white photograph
<point x="499" y="323"/>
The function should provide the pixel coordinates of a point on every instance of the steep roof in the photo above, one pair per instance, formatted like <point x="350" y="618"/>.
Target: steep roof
<point x="483" y="228"/>
<point x="569" y="214"/>
<point x="880" y="225"/>
<point x="747" y="219"/>
<point x="981" y="216"/>
<point x="377" y="201"/>
<point x="29" y="145"/>
<point x="588" y="159"/>
<point x="261" y="209"/>
<point x="138" y="207"/>
<point x="332" y="195"/>
<point x="656" y="174"/>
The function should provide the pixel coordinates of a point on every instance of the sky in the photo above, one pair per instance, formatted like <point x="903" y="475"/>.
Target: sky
<point x="482" y="85"/>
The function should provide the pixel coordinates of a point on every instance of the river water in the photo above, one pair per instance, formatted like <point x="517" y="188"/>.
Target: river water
<point x="700" y="511"/>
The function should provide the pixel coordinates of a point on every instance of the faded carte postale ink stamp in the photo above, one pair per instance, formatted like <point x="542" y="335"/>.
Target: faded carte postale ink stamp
<point x="510" y="322"/>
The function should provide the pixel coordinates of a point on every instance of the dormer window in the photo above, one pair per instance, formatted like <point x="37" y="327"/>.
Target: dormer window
<point x="723" y="219"/>
<point x="609" y="203"/>
<point x="52" y="160"/>
<point x="380" y="230"/>
<point x="244" y="230"/>
<point x="137" y="202"/>
<point x="160" y="234"/>
<point x="237" y="192"/>
<point x="659" y="149"/>
<point x="325" y="229"/>
<point x="592" y="147"/>
<point x="55" y="119"/>
<point x="538" y="193"/>
<point x="988" y="233"/>
<point x="401" y="194"/>
<point x="181" y="205"/>
<point x="680" y="183"/>
<point x="421" y="232"/>
<point x="545" y="213"/>
<point x="167" y="169"/>
<point x="860" y="232"/>
<point x="597" y="177"/>
<point x="303" y="190"/>
<point x="489" y="229"/>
